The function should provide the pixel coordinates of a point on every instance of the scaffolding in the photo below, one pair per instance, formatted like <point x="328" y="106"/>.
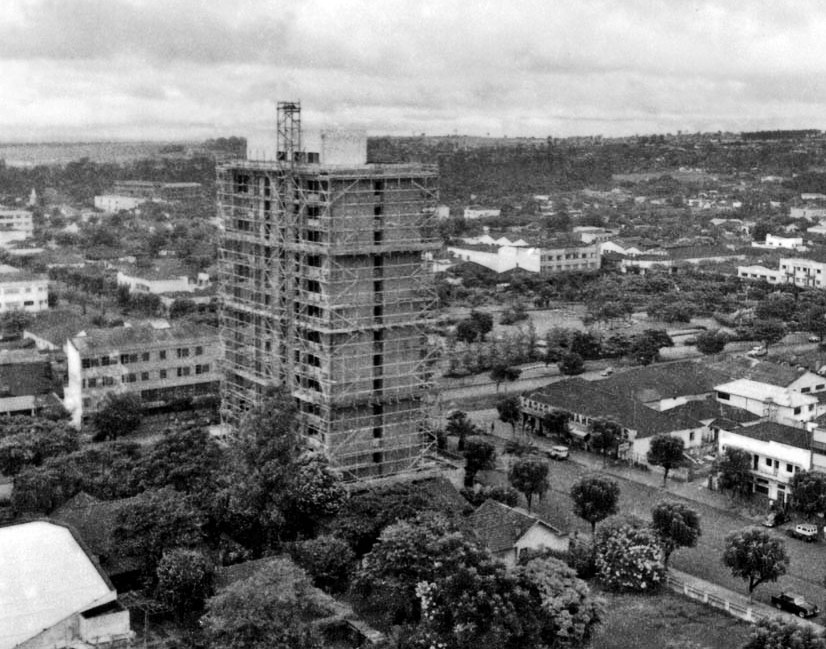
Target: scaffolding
<point x="325" y="290"/>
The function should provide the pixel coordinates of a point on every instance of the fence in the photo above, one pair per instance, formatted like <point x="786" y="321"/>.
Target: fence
<point x="746" y="613"/>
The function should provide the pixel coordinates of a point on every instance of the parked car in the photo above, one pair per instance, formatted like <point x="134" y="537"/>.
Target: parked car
<point x="773" y="519"/>
<point x="814" y="339"/>
<point x="794" y="603"/>
<point x="608" y="371"/>
<point x="558" y="452"/>
<point x="804" y="531"/>
<point x="758" y="351"/>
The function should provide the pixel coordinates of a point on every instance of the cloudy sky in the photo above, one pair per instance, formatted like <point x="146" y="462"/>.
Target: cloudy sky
<point x="190" y="69"/>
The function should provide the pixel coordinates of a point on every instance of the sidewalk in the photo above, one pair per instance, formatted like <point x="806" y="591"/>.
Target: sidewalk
<point x="740" y="605"/>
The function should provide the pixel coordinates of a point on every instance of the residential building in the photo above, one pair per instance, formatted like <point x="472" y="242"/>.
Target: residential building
<point x="473" y="213"/>
<point x="112" y="203"/>
<point x="161" y="277"/>
<point x="777" y="404"/>
<point x="546" y="258"/>
<point x="663" y="387"/>
<point x="325" y="291"/>
<point x="509" y="531"/>
<point x="15" y="225"/>
<point x="774" y="241"/>
<point x="157" y="191"/>
<point x="562" y="258"/>
<point x="22" y="291"/>
<point x="586" y="401"/>
<point x="28" y="384"/>
<point x="54" y="595"/>
<point x="673" y="258"/>
<point x="810" y="213"/>
<point x="160" y="365"/>
<point x="797" y="271"/>
<point x="777" y="453"/>
<point x="798" y="379"/>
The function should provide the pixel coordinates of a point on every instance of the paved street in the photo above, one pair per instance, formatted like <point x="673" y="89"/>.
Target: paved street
<point x="719" y="517"/>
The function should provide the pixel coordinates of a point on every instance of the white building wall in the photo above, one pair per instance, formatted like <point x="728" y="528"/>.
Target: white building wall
<point x="30" y="295"/>
<point x="112" y="203"/>
<point x="155" y="286"/>
<point x="72" y="391"/>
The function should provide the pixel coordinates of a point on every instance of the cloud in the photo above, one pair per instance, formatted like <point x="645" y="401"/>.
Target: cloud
<point x="526" y="67"/>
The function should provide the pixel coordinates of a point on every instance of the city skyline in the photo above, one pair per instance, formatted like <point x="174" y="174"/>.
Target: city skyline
<point x="128" y="69"/>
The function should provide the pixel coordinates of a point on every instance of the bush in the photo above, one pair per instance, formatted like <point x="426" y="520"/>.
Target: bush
<point x="629" y="559"/>
<point x="503" y="494"/>
<point x="580" y="555"/>
<point x="519" y="447"/>
<point x="328" y="560"/>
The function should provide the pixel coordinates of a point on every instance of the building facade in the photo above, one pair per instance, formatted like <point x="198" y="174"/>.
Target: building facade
<point x="161" y="366"/>
<point x="800" y="272"/>
<point x="324" y="290"/>
<point x="20" y="291"/>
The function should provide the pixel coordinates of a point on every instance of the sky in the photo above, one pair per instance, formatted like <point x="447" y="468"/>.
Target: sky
<point x="192" y="69"/>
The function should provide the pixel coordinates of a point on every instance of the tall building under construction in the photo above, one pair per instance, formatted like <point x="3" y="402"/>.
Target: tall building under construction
<point x="325" y="291"/>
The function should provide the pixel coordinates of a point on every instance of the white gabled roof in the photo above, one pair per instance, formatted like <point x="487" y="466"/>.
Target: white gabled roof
<point x="765" y="392"/>
<point x="45" y="576"/>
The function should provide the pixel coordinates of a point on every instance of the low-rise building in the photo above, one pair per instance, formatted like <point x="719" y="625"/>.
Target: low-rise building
<point x="112" y="203"/>
<point x="586" y="401"/>
<point x="28" y="384"/>
<point x="160" y="278"/>
<point x="775" y="403"/>
<point x="509" y="531"/>
<point x="546" y="258"/>
<point x="21" y="291"/>
<point x="673" y="258"/>
<point x="54" y="595"/>
<point x="800" y="272"/>
<point x="473" y="213"/>
<point x="15" y="225"/>
<point x="777" y="453"/>
<point x="810" y="213"/>
<point x="775" y="241"/>
<point x="160" y="365"/>
<point x="157" y="191"/>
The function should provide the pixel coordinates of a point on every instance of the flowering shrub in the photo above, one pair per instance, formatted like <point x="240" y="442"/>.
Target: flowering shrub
<point x="629" y="559"/>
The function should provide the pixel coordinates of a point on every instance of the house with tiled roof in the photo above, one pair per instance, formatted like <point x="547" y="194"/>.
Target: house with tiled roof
<point x="94" y="521"/>
<point x="772" y="402"/>
<point x="777" y="453"/>
<point x="789" y="377"/>
<point x="664" y="386"/>
<point x="508" y="531"/>
<point x="586" y="401"/>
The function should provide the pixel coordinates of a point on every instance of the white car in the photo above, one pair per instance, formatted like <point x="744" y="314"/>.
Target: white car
<point x="558" y="452"/>
<point x="608" y="371"/>
<point x="758" y="351"/>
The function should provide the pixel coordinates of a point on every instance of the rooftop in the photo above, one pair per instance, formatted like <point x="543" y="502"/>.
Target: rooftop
<point x="136" y="336"/>
<point x="740" y="367"/>
<point x="710" y="408"/>
<point x="498" y="526"/>
<point x="664" y="381"/>
<point x="769" y="431"/>
<point x="45" y="576"/>
<point x="586" y="398"/>
<point x="766" y="392"/>
<point x="160" y="269"/>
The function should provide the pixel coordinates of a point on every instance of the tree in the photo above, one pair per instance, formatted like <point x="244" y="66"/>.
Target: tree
<point x="529" y="476"/>
<point x="555" y="422"/>
<point x="156" y="521"/>
<point x="479" y="456"/>
<point x="815" y="320"/>
<point x="755" y="556"/>
<point x="328" y="560"/>
<point x="30" y="441"/>
<point x="509" y="411"/>
<point x="500" y="493"/>
<point x="778" y="306"/>
<point x="571" y="364"/>
<point x="666" y="451"/>
<point x="761" y="229"/>
<point x="774" y="633"/>
<point x="605" y="436"/>
<point x="768" y="332"/>
<point x="14" y="322"/>
<point x="480" y="605"/>
<point x="272" y="609"/>
<point x="483" y="322"/>
<point x="502" y="372"/>
<point x="809" y="493"/>
<point x="407" y="553"/>
<point x="734" y="469"/>
<point x="595" y="497"/>
<point x="628" y="558"/>
<point x="459" y="425"/>
<point x="569" y="613"/>
<point x="184" y="580"/>
<point x="644" y="350"/>
<point x="711" y="342"/>
<point x="182" y="307"/>
<point x="118" y="415"/>
<point x="676" y="525"/>
<point x="315" y="493"/>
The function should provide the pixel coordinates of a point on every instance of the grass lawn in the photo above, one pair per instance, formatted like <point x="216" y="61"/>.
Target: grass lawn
<point x="666" y="621"/>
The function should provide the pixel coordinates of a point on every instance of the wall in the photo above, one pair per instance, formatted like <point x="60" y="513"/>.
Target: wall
<point x="105" y="627"/>
<point x="72" y="392"/>
<point x="112" y="203"/>
<point x="155" y="286"/>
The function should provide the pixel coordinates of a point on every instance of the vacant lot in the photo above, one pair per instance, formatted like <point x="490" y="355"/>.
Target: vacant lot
<point x="666" y="621"/>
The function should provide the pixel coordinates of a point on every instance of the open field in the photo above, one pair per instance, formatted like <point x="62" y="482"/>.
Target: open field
<point x="666" y="621"/>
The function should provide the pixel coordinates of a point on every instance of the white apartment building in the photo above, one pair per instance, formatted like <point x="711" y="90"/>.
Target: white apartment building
<point x="778" y="404"/>
<point x="17" y="220"/>
<point x="472" y="213"/>
<point x="112" y="203"/>
<point x="21" y="291"/>
<point x="157" y="281"/>
<point x="800" y="272"/>
<point x="777" y="453"/>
